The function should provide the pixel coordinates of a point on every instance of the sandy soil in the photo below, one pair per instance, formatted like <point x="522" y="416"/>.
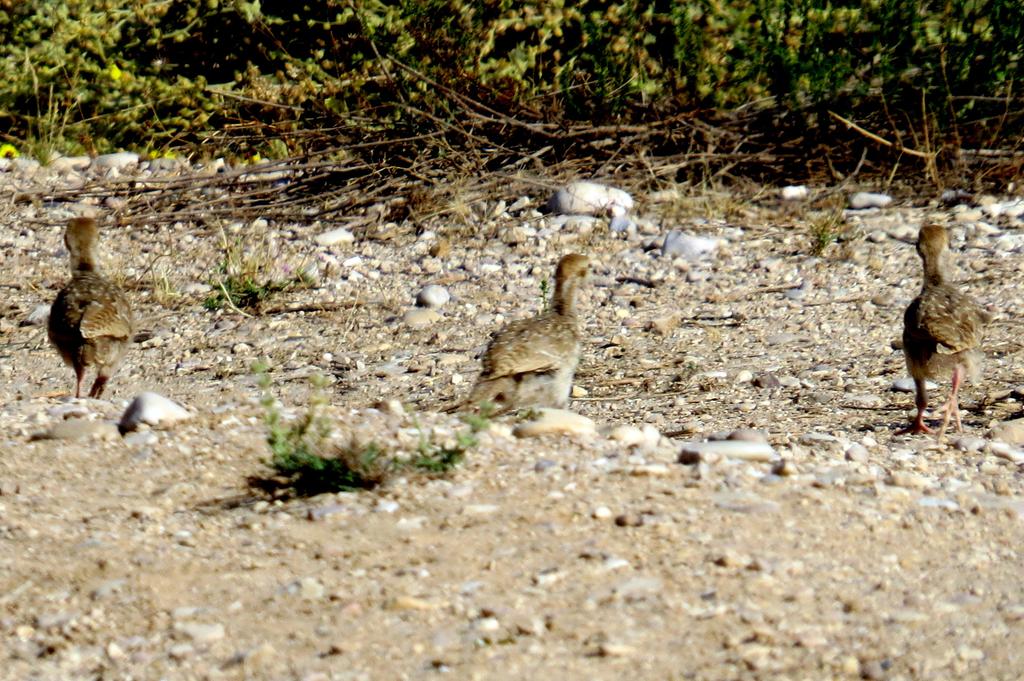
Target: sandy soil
<point x="854" y="553"/>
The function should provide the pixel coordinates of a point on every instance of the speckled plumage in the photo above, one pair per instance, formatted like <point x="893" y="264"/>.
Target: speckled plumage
<point x="531" y="363"/>
<point x="942" y="328"/>
<point x="91" y="319"/>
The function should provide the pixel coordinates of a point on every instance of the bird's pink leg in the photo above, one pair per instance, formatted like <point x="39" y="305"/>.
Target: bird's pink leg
<point x="921" y="401"/>
<point x="953" y="405"/>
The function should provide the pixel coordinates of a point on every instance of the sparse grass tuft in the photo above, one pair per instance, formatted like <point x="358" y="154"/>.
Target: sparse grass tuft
<point x="300" y="456"/>
<point x="245" y="279"/>
<point x="824" y="231"/>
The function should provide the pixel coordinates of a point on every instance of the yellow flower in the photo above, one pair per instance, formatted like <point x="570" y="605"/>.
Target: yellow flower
<point x="115" y="73"/>
<point x="8" y="151"/>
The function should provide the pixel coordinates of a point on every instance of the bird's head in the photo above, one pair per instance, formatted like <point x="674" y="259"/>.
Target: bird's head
<point x="572" y="267"/>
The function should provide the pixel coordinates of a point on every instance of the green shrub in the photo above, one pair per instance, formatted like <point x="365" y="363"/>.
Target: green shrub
<point x="98" y="74"/>
<point x="302" y="456"/>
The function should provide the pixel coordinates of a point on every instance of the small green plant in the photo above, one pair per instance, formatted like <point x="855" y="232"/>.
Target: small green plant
<point x="244" y="280"/>
<point x="299" y="450"/>
<point x="825" y="231"/>
<point x="432" y="457"/>
<point x="545" y="298"/>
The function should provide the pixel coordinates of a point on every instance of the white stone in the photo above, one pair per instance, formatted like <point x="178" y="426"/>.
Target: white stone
<point x="906" y="385"/>
<point x="794" y="192"/>
<point x="433" y="295"/>
<point x="118" y="160"/>
<point x="733" y="449"/>
<point x="334" y="237"/>
<point x="557" y="421"/>
<point x="590" y="198"/>
<point x="690" y="247"/>
<point x="152" y="409"/>
<point x="39" y="315"/>
<point x="627" y="435"/>
<point x="862" y="200"/>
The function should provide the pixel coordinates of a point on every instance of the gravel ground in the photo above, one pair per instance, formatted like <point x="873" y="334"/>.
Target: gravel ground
<point x="838" y="551"/>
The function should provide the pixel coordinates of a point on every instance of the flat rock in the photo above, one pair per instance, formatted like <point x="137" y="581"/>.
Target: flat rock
<point x="152" y="409"/>
<point x="1010" y="432"/>
<point x="743" y="450"/>
<point x="118" y="160"/>
<point x="420" y="318"/>
<point x="556" y="421"/>
<point x="80" y="429"/>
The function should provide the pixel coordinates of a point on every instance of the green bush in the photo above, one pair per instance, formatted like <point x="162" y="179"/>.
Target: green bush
<point x="100" y="74"/>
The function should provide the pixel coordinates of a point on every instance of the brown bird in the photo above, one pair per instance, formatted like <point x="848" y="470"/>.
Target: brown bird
<point x="942" y="328"/>
<point x="532" y="362"/>
<point x="91" y="319"/>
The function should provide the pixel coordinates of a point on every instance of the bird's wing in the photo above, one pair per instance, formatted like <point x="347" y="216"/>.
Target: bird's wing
<point x="953" y="319"/>
<point x="533" y="345"/>
<point x="112" y="318"/>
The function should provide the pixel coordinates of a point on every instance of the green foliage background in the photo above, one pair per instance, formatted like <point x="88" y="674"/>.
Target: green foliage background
<point x="95" y="75"/>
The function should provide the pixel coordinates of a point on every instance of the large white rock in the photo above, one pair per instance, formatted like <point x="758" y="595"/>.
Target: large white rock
<point x="590" y="198"/>
<point x="556" y="421"/>
<point x="152" y="409"/>
<point x="733" y="449"/>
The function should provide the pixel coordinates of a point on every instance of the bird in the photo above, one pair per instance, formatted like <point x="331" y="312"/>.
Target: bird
<point x="91" y="321"/>
<point x="942" y="328"/>
<point x="531" y="362"/>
